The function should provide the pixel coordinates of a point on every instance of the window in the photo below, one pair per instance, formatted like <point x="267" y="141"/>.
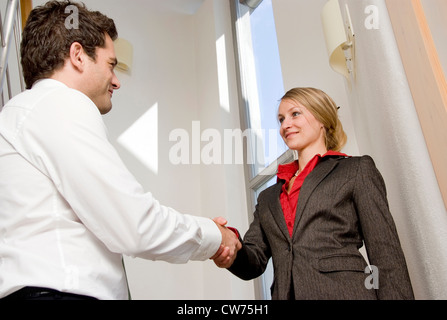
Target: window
<point x="262" y="87"/>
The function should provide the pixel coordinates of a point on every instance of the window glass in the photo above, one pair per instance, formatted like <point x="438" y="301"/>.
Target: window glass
<point x="262" y="82"/>
<point x="262" y="87"/>
<point x="269" y="78"/>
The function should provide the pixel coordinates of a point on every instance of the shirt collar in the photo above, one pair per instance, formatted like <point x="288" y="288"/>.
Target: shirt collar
<point x="287" y="171"/>
<point x="48" y="82"/>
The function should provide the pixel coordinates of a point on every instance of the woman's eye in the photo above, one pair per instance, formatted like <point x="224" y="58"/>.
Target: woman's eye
<point x="296" y="114"/>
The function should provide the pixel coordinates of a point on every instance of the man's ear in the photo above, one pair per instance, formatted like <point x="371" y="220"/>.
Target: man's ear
<point x="77" y="56"/>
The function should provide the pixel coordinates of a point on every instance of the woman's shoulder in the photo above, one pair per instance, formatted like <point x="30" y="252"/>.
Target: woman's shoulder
<point x="363" y="162"/>
<point x="357" y="159"/>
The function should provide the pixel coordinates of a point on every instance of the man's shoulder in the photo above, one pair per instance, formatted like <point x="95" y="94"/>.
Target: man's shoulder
<point x="46" y="91"/>
<point x="53" y="89"/>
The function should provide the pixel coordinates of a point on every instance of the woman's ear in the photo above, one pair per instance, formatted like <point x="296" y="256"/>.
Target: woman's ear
<point x="77" y="56"/>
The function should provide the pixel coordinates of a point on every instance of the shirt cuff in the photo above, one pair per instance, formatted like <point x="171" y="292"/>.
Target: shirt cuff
<point x="236" y="232"/>
<point x="211" y="239"/>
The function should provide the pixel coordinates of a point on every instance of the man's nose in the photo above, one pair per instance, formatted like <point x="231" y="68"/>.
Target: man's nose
<point x="116" y="83"/>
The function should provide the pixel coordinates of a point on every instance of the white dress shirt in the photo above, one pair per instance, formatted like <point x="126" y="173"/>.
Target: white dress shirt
<point x="69" y="208"/>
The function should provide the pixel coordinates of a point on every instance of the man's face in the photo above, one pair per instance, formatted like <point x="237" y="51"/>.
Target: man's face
<point x="101" y="80"/>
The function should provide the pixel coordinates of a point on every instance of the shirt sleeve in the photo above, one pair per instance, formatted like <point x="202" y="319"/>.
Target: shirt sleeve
<point x="67" y="141"/>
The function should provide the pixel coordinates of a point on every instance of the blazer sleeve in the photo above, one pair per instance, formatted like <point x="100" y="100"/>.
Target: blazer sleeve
<point x="251" y="261"/>
<point x="380" y="235"/>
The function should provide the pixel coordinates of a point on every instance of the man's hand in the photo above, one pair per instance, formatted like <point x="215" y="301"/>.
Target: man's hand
<point x="227" y="252"/>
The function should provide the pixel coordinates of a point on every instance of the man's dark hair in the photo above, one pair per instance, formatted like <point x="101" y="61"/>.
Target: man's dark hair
<point x="48" y="36"/>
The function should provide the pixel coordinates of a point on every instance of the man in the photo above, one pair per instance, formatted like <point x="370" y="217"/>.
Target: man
<point x="69" y="208"/>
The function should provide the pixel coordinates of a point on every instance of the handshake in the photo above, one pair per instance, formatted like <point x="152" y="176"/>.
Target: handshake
<point x="229" y="247"/>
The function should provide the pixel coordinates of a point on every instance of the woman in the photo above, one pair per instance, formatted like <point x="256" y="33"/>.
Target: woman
<point x="314" y="220"/>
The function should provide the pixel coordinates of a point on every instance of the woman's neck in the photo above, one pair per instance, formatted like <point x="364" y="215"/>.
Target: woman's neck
<point x="305" y="155"/>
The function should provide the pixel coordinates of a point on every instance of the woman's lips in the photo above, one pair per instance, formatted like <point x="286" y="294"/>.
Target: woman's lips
<point x="290" y="135"/>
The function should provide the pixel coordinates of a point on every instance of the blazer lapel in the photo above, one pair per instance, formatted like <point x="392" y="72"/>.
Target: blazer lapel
<point x="312" y="181"/>
<point x="276" y="210"/>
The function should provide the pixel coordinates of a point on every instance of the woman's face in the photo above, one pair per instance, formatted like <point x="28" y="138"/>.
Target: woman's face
<point x="299" y="128"/>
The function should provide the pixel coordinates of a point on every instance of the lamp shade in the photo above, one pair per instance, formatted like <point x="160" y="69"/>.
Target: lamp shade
<point x="124" y="54"/>
<point x="336" y="37"/>
<point x="251" y="3"/>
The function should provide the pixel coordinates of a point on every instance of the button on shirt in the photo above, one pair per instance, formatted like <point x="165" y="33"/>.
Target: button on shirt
<point x="69" y="208"/>
<point x="289" y="200"/>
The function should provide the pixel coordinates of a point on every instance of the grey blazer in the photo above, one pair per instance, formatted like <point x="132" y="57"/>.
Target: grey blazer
<point x="342" y="203"/>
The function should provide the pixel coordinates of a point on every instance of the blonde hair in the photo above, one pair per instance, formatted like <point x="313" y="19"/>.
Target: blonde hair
<point x="324" y="109"/>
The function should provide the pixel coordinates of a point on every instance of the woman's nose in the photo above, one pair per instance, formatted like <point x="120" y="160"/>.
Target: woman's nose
<point x="286" y="123"/>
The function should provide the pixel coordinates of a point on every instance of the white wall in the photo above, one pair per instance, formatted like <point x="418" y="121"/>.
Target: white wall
<point x="222" y="186"/>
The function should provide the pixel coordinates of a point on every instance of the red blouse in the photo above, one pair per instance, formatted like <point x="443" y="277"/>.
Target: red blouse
<point x="289" y="201"/>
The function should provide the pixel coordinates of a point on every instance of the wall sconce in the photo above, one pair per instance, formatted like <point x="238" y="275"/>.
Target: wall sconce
<point x="124" y="54"/>
<point x="340" y="39"/>
<point x="251" y="3"/>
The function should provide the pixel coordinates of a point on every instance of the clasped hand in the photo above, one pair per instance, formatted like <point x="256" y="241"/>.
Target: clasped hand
<point x="227" y="252"/>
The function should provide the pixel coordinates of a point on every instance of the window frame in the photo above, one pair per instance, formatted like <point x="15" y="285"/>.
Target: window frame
<point x="254" y="182"/>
